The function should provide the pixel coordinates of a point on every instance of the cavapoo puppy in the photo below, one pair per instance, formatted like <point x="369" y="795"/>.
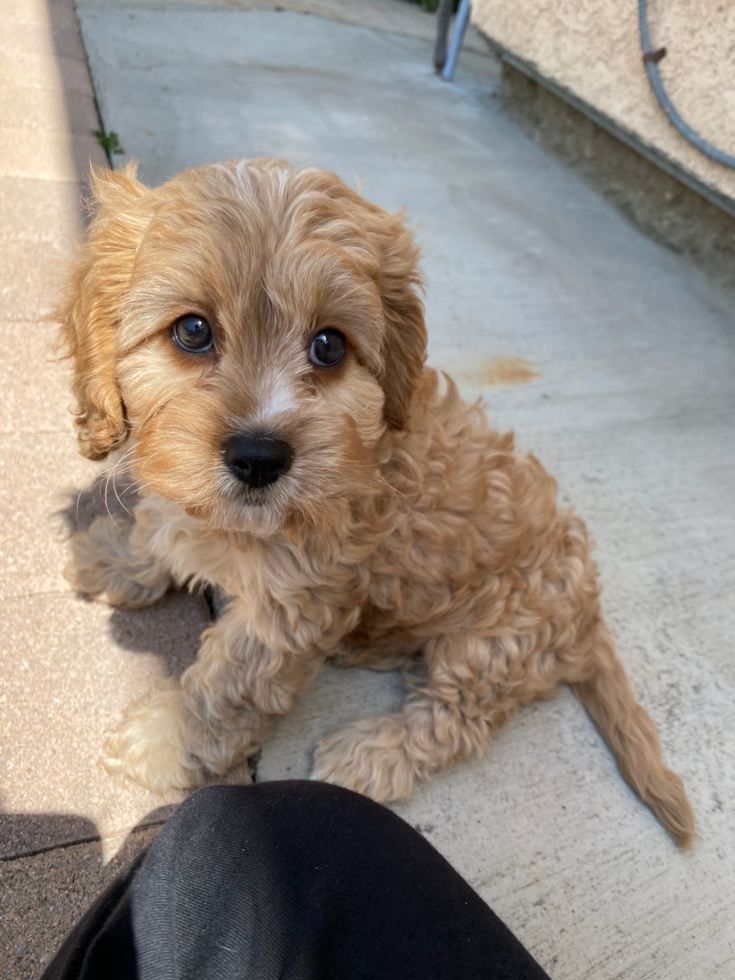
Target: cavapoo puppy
<point x="256" y="331"/>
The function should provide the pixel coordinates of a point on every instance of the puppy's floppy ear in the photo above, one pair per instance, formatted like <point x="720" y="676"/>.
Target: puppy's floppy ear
<point x="404" y="346"/>
<point x="89" y="311"/>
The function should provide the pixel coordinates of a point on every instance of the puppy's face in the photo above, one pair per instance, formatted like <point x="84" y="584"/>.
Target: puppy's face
<point x="255" y="328"/>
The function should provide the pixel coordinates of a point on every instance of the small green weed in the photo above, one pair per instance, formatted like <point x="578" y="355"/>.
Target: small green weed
<point x="109" y="143"/>
<point x="431" y="5"/>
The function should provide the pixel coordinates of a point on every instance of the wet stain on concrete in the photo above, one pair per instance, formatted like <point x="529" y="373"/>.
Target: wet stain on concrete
<point x="486" y="370"/>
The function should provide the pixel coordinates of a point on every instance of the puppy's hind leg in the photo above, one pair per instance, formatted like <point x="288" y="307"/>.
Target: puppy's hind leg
<point x="449" y="719"/>
<point x="112" y="562"/>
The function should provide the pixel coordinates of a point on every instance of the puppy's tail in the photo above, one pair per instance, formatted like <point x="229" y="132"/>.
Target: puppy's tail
<point x="631" y="734"/>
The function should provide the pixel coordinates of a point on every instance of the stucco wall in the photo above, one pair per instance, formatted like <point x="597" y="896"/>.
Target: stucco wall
<point x="591" y="50"/>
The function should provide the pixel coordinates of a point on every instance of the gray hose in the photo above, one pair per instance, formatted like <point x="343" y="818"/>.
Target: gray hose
<point x="665" y="102"/>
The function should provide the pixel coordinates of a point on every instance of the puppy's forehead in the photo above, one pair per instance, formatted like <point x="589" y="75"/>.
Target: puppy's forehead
<point x="256" y="251"/>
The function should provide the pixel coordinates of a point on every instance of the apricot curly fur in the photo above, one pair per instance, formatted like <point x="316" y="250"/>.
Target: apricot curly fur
<point x="406" y="531"/>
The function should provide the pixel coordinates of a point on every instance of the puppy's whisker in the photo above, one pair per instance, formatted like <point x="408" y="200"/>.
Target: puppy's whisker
<point x="123" y="460"/>
<point x="111" y="476"/>
<point x="126" y="456"/>
<point x="122" y="463"/>
<point x="76" y="514"/>
<point x="139" y="486"/>
<point x="114" y="487"/>
<point x="107" y="504"/>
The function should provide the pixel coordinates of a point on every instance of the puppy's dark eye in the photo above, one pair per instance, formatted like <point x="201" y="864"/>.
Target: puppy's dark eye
<point x="327" y="348"/>
<point x="192" y="334"/>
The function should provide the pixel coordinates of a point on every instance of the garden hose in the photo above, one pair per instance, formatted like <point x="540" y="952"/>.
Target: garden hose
<point x="651" y="59"/>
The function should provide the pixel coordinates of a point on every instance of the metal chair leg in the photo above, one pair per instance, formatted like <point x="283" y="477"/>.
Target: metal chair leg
<point x="443" y="18"/>
<point x="455" y="46"/>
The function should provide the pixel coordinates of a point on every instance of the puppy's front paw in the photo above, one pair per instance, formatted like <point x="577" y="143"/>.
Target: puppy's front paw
<point x="149" y="747"/>
<point x="369" y="757"/>
<point x="102" y="566"/>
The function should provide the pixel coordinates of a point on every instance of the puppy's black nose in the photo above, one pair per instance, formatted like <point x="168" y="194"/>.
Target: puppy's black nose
<point x="257" y="460"/>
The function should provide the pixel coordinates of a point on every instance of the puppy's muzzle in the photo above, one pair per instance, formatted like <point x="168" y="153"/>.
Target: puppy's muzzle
<point x="257" y="460"/>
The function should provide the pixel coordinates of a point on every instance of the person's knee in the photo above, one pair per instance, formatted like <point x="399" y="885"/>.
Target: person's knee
<point x="208" y="814"/>
<point x="309" y="814"/>
<point x="214" y="799"/>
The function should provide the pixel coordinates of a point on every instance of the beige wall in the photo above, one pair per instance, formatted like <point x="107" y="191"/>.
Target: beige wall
<point x="592" y="49"/>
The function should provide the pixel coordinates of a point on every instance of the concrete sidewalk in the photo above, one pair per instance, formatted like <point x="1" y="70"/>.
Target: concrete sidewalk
<point x="622" y="360"/>
<point x="64" y="664"/>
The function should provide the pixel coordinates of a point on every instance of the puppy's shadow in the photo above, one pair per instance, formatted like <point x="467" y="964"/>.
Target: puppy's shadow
<point x="111" y="494"/>
<point x="170" y="629"/>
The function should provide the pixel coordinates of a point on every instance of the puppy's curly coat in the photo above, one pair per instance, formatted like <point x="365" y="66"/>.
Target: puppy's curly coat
<point x="394" y="528"/>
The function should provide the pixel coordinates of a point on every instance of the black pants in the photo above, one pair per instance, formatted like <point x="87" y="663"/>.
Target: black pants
<point x="290" y="881"/>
